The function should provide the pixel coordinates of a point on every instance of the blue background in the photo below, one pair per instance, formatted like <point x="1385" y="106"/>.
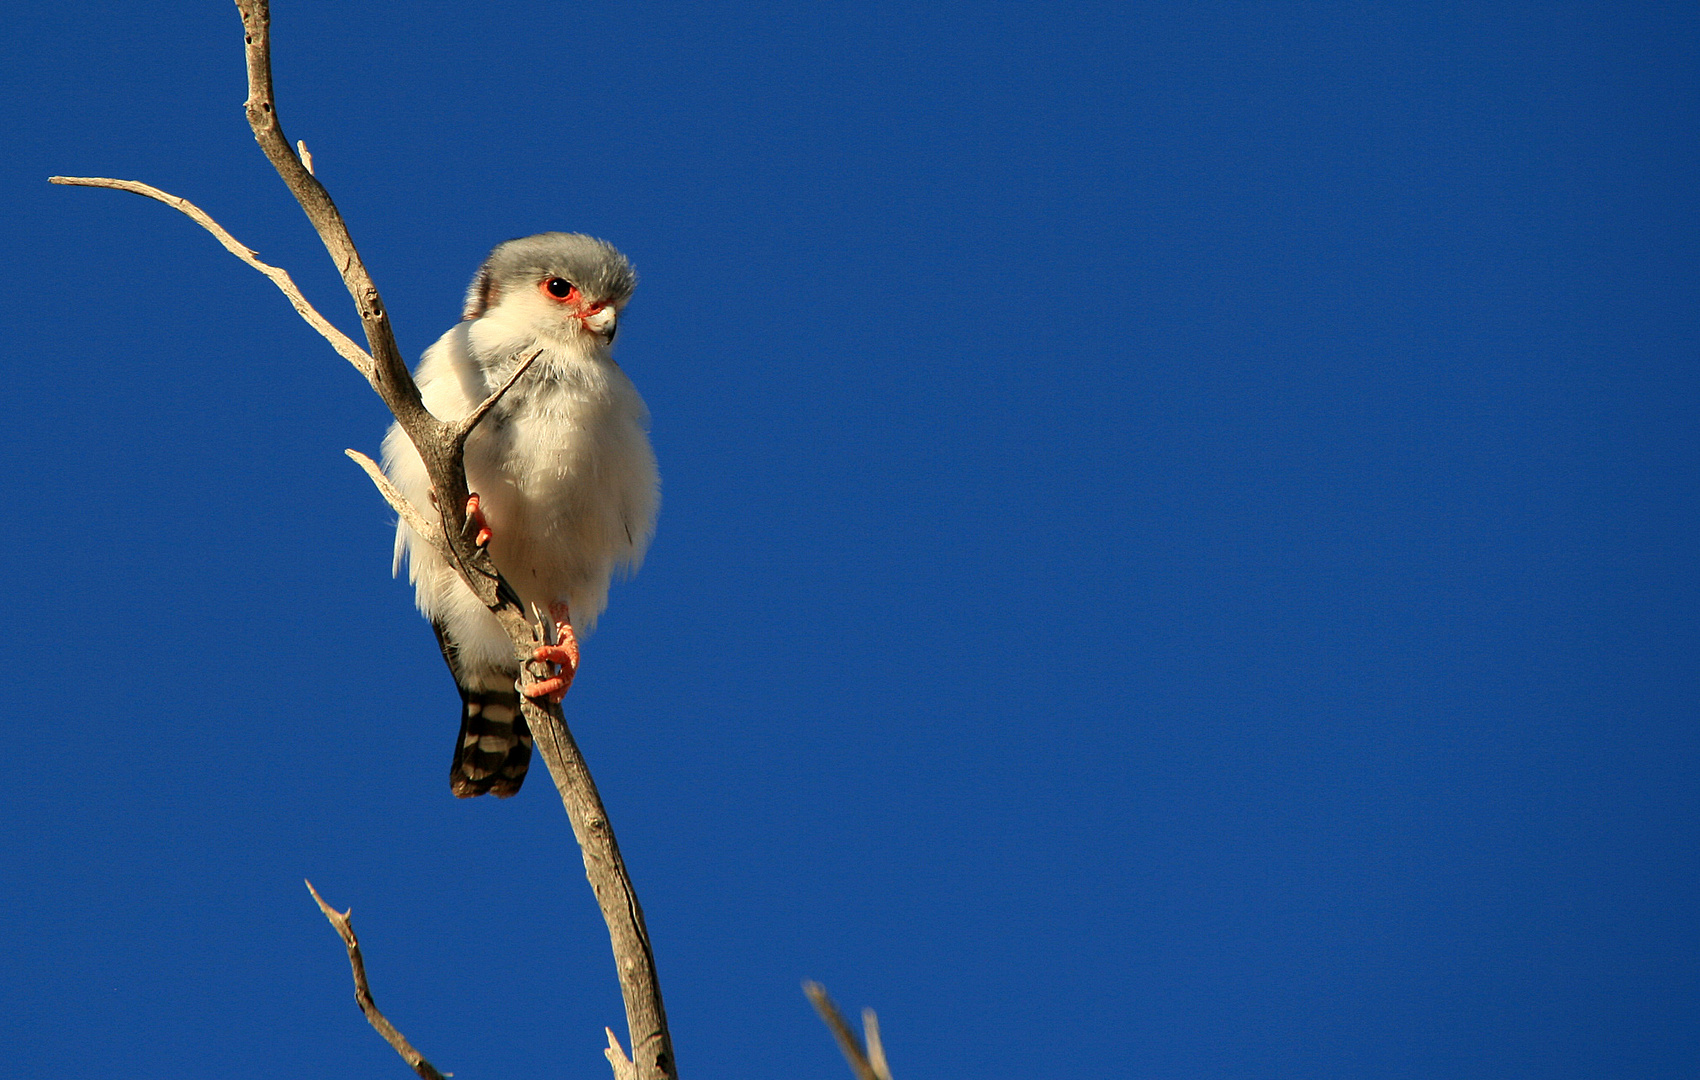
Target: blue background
<point x="1177" y="554"/>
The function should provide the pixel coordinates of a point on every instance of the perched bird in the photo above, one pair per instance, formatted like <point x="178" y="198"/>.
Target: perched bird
<point x="563" y="480"/>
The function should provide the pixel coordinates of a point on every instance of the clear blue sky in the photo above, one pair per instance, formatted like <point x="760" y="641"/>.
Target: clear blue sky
<point x="1177" y="555"/>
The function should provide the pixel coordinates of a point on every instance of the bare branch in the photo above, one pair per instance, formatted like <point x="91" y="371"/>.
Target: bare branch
<point x="340" y="341"/>
<point x="876" y="1048"/>
<point x="363" y="993"/>
<point x="398" y="502"/>
<point x="463" y="427"/>
<point x="867" y="1064"/>
<point x="389" y="373"/>
<point x="634" y="959"/>
<point x="441" y="446"/>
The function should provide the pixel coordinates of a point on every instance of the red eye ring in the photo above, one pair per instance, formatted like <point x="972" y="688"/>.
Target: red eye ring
<point x="560" y="289"/>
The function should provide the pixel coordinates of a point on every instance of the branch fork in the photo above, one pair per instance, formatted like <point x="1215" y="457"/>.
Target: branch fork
<point x="344" y="924"/>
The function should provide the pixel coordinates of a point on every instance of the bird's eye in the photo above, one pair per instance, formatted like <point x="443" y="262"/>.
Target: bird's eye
<point x="559" y="288"/>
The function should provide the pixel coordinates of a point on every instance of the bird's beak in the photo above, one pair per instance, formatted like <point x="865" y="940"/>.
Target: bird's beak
<point x="602" y="323"/>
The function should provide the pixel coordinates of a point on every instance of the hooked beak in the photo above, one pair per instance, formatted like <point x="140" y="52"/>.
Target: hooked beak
<point x="602" y="323"/>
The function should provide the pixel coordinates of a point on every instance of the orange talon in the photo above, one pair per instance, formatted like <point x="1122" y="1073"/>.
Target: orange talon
<point x="475" y="518"/>
<point x="554" y="689"/>
<point x="563" y="654"/>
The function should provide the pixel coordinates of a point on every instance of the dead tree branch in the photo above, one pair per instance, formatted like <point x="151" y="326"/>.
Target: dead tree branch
<point x="867" y="1063"/>
<point x="463" y="427"/>
<point x="363" y="993"/>
<point x="398" y="502"/>
<point x="442" y="445"/>
<point x="340" y="341"/>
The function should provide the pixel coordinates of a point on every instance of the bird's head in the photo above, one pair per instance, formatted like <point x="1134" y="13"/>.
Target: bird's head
<point x="565" y="287"/>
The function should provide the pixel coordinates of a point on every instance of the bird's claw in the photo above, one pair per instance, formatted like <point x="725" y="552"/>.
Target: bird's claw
<point x="475" y="520"/>
<point x="552" y="689"/>
<point x="563" y="655"/>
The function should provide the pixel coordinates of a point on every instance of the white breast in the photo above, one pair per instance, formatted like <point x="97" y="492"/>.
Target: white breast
<point x="562" y="465"/>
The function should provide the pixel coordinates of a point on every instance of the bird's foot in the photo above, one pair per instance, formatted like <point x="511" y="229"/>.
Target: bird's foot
<point x="475" y="520"/>
<point x="563" y="654"/>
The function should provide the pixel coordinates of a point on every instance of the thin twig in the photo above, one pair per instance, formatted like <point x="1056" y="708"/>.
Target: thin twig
<point x="398" y="502"/>
<point x="868" y="1064"/>
<point x="876" y="1048"/>
<point x="463" y="427"/>
<point x="340" y="341"/>
<point x="363" y="993"/>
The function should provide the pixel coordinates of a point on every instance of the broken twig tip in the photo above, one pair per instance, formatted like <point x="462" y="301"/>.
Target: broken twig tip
<point x="617" y="1060"/>
<point x="339" y="919"/>
<point x="866" y="1062"/>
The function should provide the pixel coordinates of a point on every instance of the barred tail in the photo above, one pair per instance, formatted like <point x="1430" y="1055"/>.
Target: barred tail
<point x="494" y="748"/>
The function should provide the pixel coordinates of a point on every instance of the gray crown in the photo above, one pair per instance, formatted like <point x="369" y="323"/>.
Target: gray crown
<point x="601" y="273"/>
